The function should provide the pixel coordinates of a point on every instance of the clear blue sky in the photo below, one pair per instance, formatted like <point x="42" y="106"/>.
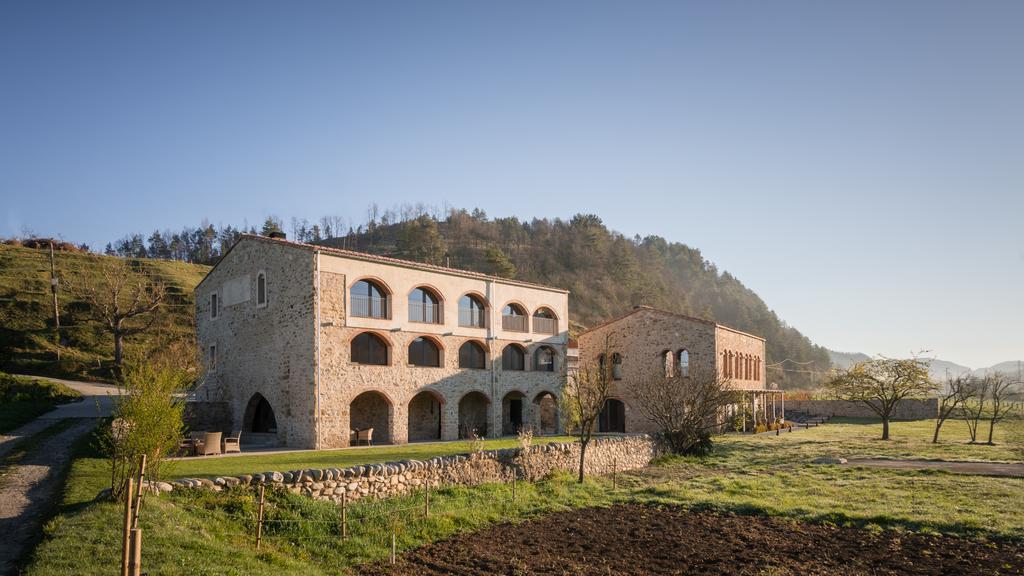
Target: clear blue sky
<point x="859" y="165"/>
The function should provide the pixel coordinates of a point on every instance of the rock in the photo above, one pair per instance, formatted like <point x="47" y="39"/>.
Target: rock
<point x="353" y="486"/>
<point x="245" y="479"/>
<point x="829" y="460"/>
<point x="274" y="476"/>
<point x="164" y="487"/>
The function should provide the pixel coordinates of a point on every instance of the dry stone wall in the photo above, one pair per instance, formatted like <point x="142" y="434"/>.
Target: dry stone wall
<point x="396" y="478"/>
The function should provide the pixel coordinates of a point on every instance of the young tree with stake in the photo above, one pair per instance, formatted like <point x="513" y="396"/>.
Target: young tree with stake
<point x="585" y="394"/>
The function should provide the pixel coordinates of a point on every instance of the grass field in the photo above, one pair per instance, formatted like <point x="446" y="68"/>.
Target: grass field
<point x="27" y="343"/>
<point x="23" y="399"/>
<point x="210" y="533"/>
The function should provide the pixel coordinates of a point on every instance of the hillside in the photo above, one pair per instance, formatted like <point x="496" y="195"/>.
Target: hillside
<point x="606" y="273"/>
<point x="27" y="343"/>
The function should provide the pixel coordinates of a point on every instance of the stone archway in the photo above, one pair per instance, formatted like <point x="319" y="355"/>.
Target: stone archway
<point x="259" y="416"/>
<point x="473" y="410"/>
<point x="372" y="409"/>
<point x="546" y="413"/>
<point x="514" y="413"/>
<point x="425" y="419"/>
<point x="613" y="416"/>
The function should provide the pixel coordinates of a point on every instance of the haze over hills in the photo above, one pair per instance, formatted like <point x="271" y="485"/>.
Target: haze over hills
<point x="939" y="369"/>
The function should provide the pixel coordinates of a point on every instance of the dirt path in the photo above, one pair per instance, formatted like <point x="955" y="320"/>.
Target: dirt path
<point x="977" y="468"/>
<point x="29" y="487"/>
<point x="642" y="540"/>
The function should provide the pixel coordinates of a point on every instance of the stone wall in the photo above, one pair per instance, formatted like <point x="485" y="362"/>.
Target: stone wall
<point x="910" y="409"/>
<point x="397" y="478"/>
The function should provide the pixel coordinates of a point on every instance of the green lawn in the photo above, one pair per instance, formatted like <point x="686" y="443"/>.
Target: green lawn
<point x="23" y="399"/>
<point x="208" y="533"/>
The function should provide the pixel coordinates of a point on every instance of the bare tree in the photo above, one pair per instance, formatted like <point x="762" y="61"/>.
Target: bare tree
<point x="975" y="405"/>
<point x="686" y="409"/>
<point x="121" y="299"/>
<point x="1001" y="389"/>
<point x="585" y="394"/>
<point x="951" y="399"/>
<point x="881" y="384"/>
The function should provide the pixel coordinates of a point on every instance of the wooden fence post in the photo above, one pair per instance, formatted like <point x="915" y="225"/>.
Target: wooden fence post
<point x="138" y="493"/>
<point x="126" y="534"/>
<point x="344" y="515"/>
<point x="135" y="563"/>
<point x="392" y="545"/>
<point x="259" y="521"/>
<point x="426" y="498"/>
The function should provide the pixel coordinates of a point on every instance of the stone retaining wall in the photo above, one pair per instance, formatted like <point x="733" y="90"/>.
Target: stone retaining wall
<point x="397" y="478"/>
<point x="910" y="409"/>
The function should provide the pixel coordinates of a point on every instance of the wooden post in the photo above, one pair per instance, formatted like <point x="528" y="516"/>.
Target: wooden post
<point x="513" y="488"/>
<point x="259" y="521"/>
<point x="135" y="563"/>
<point x="56" y="309"/>
<point x="392" y="545"/>
<point x="615" y="470"/>
<point x="126" y="533"/>
<point x="426" y="498"/>
<point x="344" y="515"/>
<point x="138" y="493"/>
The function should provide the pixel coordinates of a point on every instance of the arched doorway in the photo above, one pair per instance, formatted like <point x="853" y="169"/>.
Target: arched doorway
<point x="613" y="417"/>
<point x="473" y="409"/>
<point x="425" y="417"/>
<point x="546" y="410"/>
<point x="259" y="416"/>
<point x="371" y="410"/>
<point x="513" y="413"/>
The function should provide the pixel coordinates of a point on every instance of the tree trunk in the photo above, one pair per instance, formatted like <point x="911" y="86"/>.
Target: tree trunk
<point x="885" y="427"/>
<point x="118" y="348"/>
<point x="938" y="425"/>
<point x="583" y="455"/>
<point x="991" y="428"/>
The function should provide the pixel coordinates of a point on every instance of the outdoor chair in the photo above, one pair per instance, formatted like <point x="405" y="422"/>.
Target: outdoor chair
<point x="364" y="435"/>
<point x="233" y="443"/>
<point x="210" y="445"/>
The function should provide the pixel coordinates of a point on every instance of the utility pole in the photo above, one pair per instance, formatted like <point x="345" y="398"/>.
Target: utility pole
<point x="56" y="308"/>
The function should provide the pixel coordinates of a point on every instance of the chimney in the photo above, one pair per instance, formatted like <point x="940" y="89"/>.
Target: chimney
<point x="278" y="235"/>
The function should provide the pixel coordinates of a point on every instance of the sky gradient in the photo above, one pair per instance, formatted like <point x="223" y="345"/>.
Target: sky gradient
<point x="859" y="166"/>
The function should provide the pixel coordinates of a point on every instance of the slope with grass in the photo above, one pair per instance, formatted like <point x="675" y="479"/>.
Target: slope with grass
<point x="23" y="399"/>
<point x="212" y="533"/>
<point x="27" y="339"/>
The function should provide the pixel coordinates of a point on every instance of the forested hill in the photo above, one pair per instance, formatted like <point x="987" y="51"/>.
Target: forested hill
<point x="606" y="273"/>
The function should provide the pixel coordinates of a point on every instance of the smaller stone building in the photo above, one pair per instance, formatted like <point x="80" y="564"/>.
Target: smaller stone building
<point x="649" y="343"/>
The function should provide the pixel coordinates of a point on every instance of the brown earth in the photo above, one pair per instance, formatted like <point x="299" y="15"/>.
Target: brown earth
<point x="637" y="539"/>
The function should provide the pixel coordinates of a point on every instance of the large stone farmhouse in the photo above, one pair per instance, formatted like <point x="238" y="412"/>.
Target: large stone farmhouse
<point x="650" y="343"/>
<point x="317" y="345"/>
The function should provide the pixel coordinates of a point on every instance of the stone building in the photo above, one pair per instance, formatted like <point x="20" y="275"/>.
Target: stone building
<point x="307" y="344"/>
<point x="648" y="343"/>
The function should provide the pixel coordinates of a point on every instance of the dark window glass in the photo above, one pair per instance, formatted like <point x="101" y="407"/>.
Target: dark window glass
<point x="423" y="352"/>
<point x="424" y="307"/>
<point x="368" y="348"/>
<point x="472" y="355"/>
<point x="511" y="310"/>
<point x="512" y="358"/>
<point x="471" y="312"/>
<point x="369" y="300"/>
<point x="261" y="289"/>
<point x="545" y="359"/>
<point x="213" y="306"/>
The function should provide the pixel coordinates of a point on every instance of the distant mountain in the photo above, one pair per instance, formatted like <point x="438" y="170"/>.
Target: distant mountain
<point x="939" y="369"/>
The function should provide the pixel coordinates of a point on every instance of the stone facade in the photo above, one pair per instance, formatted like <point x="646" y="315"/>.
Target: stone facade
<point x="646" y="343"/>
<point x="907" y="409"/>
<point x="296" y="350"/>
<point x="604" y="455"/>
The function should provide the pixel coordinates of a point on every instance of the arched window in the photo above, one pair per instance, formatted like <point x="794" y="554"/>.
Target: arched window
<point x="738" y="366"/>
<point x="424" y="352"/>
<point x="684" y="363"/>
<point x="602" y="363"/>
<point x="616" y="366"/>
<point x="544" y="321"/>
<point x="513" y="318"/>
<point x="368" y="348"/>
<point x="513" y="358"/>
<point x="666" y="363"/>
<point x="472" y="355"/>
<point x="261" y="289"/>
<point x="472" y="312"/>
<point x="424" y="306"/>
<point x="369" y="300"/>
<point x="544" y="359"/>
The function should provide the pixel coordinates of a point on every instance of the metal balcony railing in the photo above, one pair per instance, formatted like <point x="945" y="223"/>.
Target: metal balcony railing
<point x="370" y="307"/>
<point x="472" y="318"/>
<point x="424" y="312"/>
<point x="513" y="323"/>
<point x="543" y="325"/>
